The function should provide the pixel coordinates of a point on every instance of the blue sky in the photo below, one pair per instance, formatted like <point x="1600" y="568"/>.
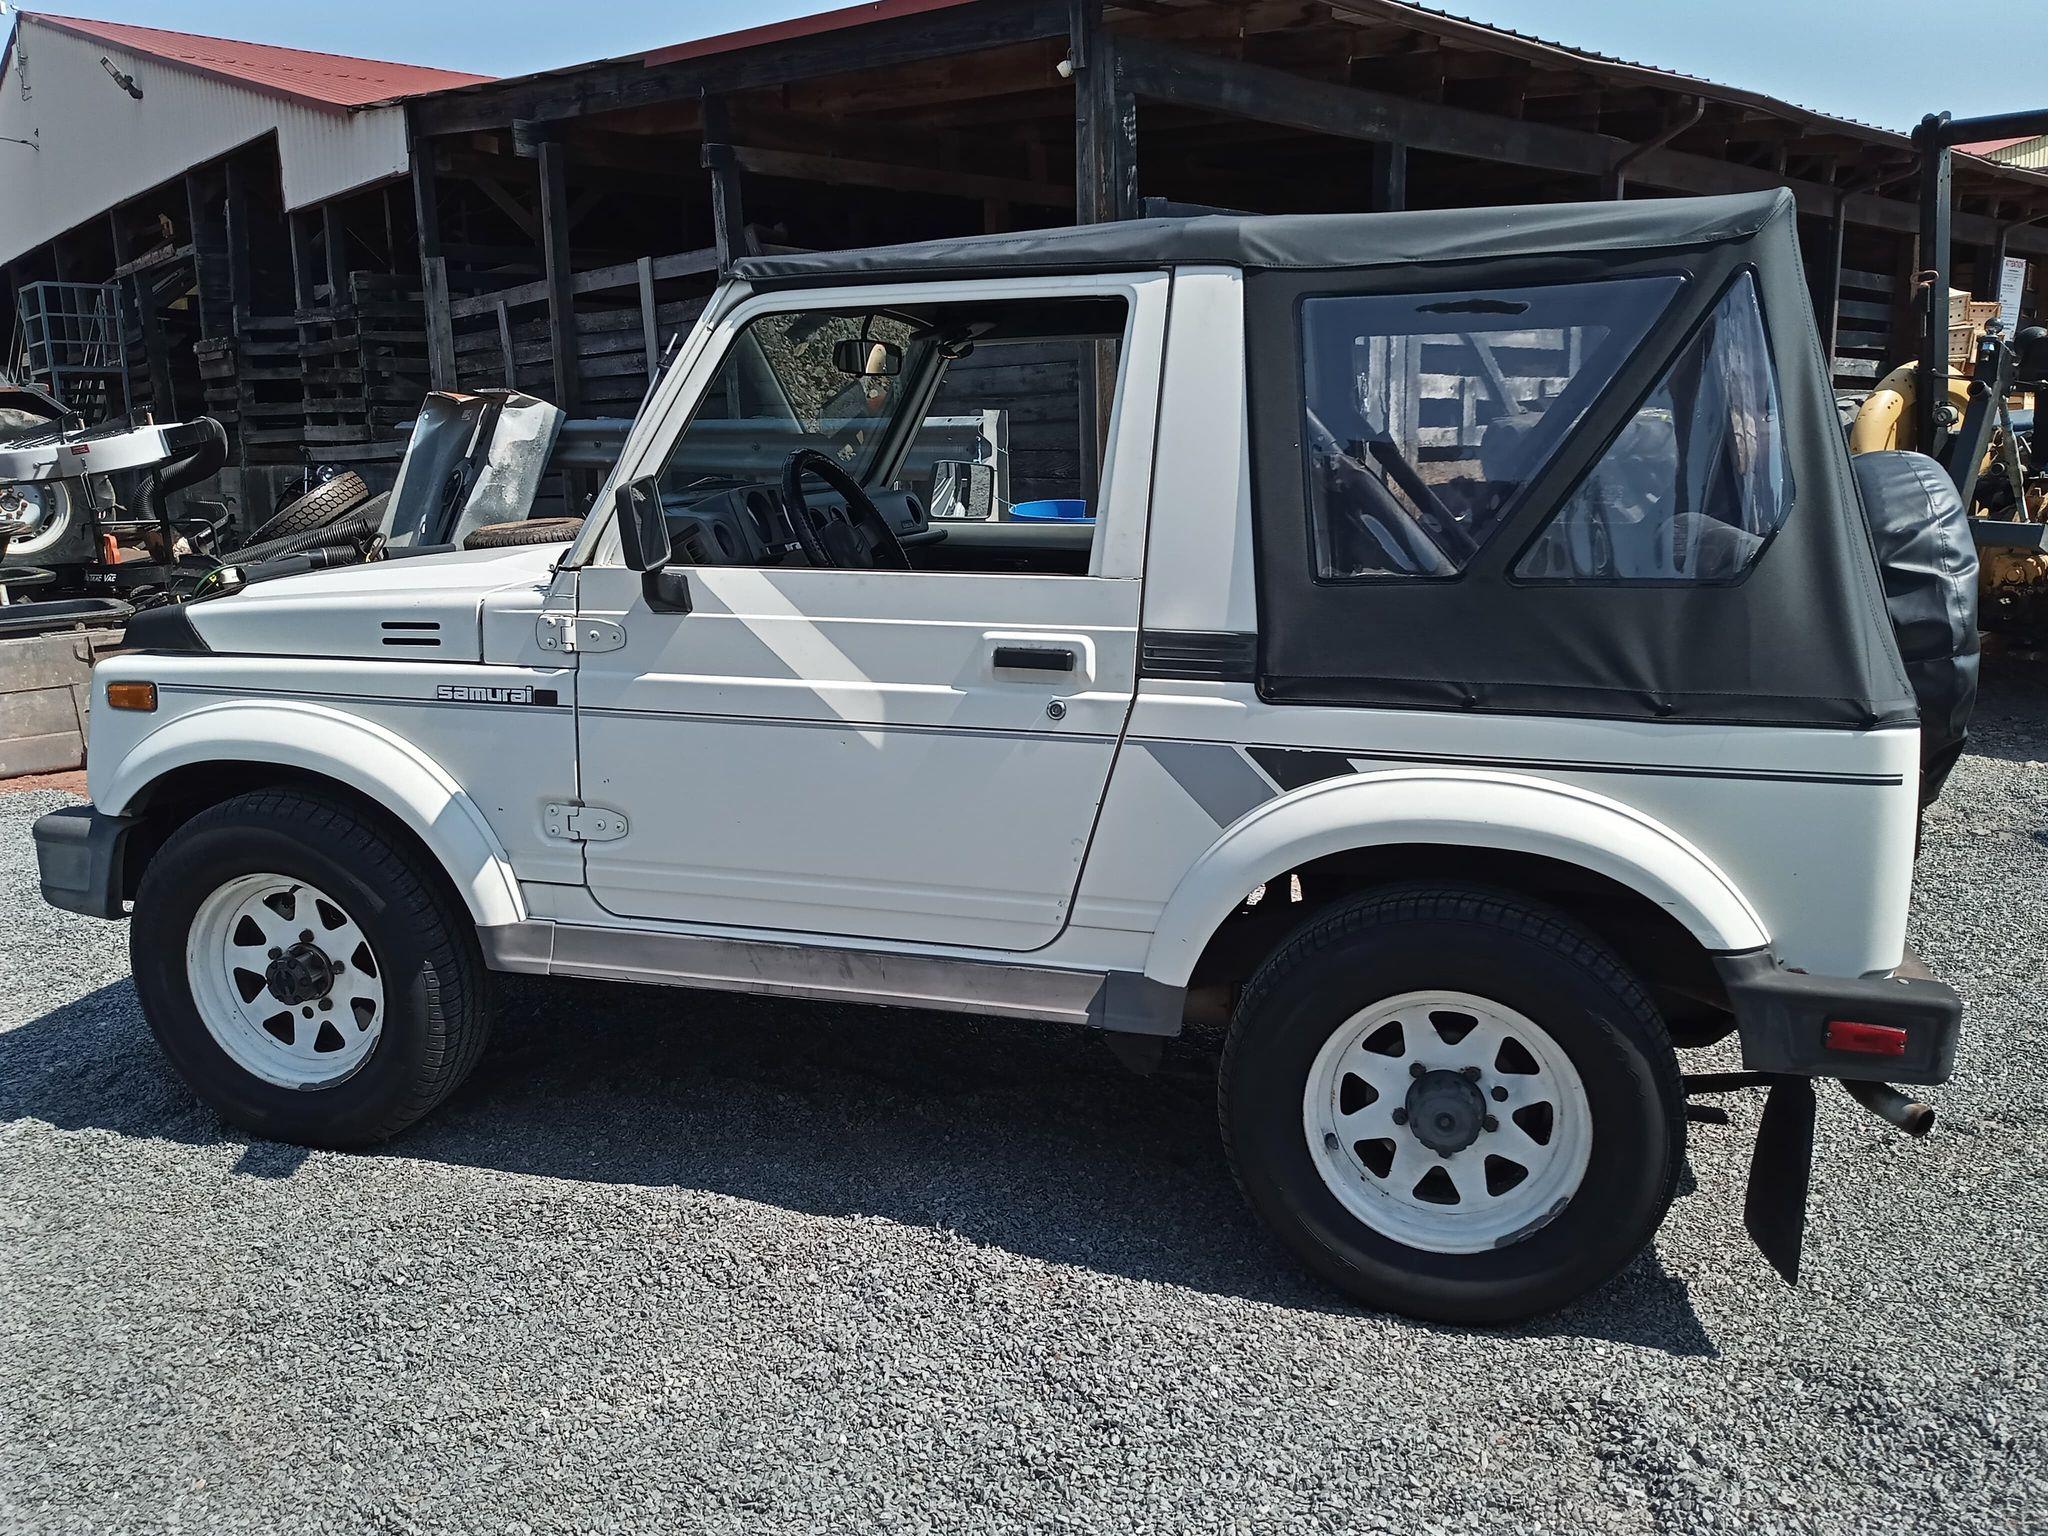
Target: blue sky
<point x="1882" y="61"/>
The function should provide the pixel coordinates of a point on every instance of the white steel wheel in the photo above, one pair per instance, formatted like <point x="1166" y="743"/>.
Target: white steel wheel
<point x="285" y="981"/>
<point x="46" y="508"/>
<point x="1447" y="1122"/>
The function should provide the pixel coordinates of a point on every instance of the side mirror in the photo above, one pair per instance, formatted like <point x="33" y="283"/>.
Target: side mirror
<point x="643" y="528"/>
<point x="862" y="357"/>
<point x="963" y="490"/>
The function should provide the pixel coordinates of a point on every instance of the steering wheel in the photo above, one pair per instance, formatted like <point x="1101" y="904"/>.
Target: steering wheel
<point x="851" y="537"/>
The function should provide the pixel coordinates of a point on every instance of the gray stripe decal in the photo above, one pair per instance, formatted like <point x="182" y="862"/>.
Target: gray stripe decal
<point x="1220" y="779"/>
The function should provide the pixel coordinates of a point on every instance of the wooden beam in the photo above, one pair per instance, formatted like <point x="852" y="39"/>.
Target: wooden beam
<point x="433" y="265"/>
<point x="554" y="224"/>
<point x="728" y="212"/>
<point x="599" y="280"/>
<point x="615" y="87"/>
<point x="1827" y="299"/>
<point x="1207" y="83"/>
<point x="299" y="236"/>
<point x="509" y="205"/>
<point x="650" y="333"/>
<point x="511" y="368"/>
<point x="973" y="186"/>
<point x="333" y="252"/>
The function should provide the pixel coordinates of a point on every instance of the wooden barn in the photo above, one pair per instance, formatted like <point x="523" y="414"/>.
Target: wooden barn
<point x="552" y="231"/>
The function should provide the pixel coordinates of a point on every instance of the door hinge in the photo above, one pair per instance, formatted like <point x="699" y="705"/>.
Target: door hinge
<point x="573" y="822"/>
<point x="566" y="632"/>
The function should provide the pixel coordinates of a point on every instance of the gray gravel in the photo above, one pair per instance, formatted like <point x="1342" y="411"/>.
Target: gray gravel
<point x="738" y="1266"/>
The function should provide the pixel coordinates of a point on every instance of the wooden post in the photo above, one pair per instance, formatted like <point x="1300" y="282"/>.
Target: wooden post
<point x="334" y="254"/>
<point x="1105" y="189"/>
<point x="1105" y="121"/>
<point x="728" y="210"/>
<point x="650" y="329"/>
<point x="1827" y="295"/>
<point x="554" y="233"/>
<point x="433" y="267"/>
<point x="1937" y="210"/>
<point x="1389" y="186"/>
<point x="163" y="400"/>
<point x="297" y="228"/>
<point x="241" y="296"/>
<point x="205" y="203"/>
<point x="505" y="345"/>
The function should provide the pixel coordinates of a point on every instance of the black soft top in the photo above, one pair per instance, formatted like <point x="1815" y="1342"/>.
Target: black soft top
<point x="1799" y="638"/>
<point x="1293" y="242"/>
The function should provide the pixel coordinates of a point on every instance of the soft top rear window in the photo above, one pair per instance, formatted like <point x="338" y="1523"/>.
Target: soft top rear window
<point x="1427" y="415"/>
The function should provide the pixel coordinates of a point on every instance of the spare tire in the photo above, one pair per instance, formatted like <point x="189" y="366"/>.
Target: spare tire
<point x="1927" y="555"/>
<point x="316" y="509"/>
<point x="355" y="528"/>
<point x="534" y="530"/>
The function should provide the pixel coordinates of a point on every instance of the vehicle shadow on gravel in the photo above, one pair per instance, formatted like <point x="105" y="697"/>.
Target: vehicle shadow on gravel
<point x="1025" y="1138"/>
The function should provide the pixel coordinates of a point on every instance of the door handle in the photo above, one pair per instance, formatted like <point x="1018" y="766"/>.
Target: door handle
<point x="1034" y="658"/>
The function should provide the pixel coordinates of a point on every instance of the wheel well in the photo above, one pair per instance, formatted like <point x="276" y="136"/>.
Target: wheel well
<point x="169" y="802"/>
<point x="1671" y="962"/>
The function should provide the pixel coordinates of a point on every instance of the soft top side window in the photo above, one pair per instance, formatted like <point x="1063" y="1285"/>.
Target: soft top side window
<point x="1696" y="483"/>
<point x="1427" y="415"/>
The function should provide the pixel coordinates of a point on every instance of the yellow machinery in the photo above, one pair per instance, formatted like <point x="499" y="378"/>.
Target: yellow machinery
<point x="2007" y="489"/>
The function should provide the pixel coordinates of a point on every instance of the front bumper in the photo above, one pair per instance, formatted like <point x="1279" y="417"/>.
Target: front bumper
<point x="79" y="858"/>
<point x="1783" y="1017"/>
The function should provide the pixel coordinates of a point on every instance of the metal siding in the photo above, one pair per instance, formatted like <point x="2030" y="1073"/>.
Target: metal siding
<point x="99" y="146"/>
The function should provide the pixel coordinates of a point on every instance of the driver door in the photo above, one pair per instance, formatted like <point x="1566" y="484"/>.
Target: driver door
<point x="915" y="755"/>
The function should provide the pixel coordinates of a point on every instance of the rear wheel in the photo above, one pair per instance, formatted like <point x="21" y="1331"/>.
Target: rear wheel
<point x="1453" y="1103"/>
<point x="305" y="972"/>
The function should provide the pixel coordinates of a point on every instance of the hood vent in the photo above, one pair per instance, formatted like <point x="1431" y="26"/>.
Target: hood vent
<point x="417" y="632"/>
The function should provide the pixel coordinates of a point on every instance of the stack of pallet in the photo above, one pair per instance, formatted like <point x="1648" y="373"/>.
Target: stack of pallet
<point x="363" y="365"/>
<point x="253" y="387"/>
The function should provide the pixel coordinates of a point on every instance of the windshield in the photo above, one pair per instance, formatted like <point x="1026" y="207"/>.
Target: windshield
<point x="819" y="379"/>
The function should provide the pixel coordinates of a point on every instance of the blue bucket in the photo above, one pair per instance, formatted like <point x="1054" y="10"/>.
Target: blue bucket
<point x="1055" y="511"/>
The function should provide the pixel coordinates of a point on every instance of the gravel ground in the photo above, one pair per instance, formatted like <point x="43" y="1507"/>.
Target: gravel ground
<point x="741" y="1266"/>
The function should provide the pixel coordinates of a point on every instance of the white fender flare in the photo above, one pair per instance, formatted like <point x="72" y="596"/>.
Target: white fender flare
<point x="1469" y="808"/>
<point x="351" y="751"/>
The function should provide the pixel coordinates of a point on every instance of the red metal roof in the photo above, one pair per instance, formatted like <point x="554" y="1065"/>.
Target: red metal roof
<point x="325" y="79"/>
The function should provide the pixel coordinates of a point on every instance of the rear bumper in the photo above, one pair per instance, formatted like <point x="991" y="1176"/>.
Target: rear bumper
<point x="1783" y="1017"/>
<point x="79" y="856"/>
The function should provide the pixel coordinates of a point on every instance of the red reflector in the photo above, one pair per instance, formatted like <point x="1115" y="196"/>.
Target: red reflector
<point x="1866" y="1039"/>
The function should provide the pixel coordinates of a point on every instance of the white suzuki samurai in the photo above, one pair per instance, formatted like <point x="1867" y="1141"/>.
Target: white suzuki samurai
<point x="1451" y="641"/>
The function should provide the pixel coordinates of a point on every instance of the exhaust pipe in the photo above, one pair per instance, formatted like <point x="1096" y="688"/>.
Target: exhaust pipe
<point x="1887" y="1103"/>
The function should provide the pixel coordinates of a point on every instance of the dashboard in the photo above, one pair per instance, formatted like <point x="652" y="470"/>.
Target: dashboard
<point x="744" y="524"/>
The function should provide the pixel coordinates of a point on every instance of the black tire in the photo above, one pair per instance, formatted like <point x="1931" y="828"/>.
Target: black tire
<point x="316" y="509"/>
<point x="357" y="527"/>
<point x="1494" y="945"/>
<point x="534" y="530"/>
<point x="435" y="1021"/>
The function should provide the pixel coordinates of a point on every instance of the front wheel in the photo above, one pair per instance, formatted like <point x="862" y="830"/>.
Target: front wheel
<point x="304" y="970"/>
<point x="1453" y="1103"/>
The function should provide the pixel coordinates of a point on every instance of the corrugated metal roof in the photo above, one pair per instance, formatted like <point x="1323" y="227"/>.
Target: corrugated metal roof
<point x="324" y="79"/>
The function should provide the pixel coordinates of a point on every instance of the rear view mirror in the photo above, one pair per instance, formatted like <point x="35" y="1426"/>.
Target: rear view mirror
<point x="963" y="490"/>
<point x="861" y="357"/>
<point x="643" y="527"/>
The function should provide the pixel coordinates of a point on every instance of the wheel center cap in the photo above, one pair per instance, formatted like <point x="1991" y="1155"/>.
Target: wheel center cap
<point x="302" y="974"/>
<point x="1445" y="1111"/>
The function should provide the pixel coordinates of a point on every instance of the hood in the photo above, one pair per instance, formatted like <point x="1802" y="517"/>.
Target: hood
<point x="428" y="608"/>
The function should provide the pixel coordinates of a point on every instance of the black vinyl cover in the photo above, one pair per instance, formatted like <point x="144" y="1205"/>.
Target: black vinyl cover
<point x="1922" y="533"/>
<point x="1801" y="640"/>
